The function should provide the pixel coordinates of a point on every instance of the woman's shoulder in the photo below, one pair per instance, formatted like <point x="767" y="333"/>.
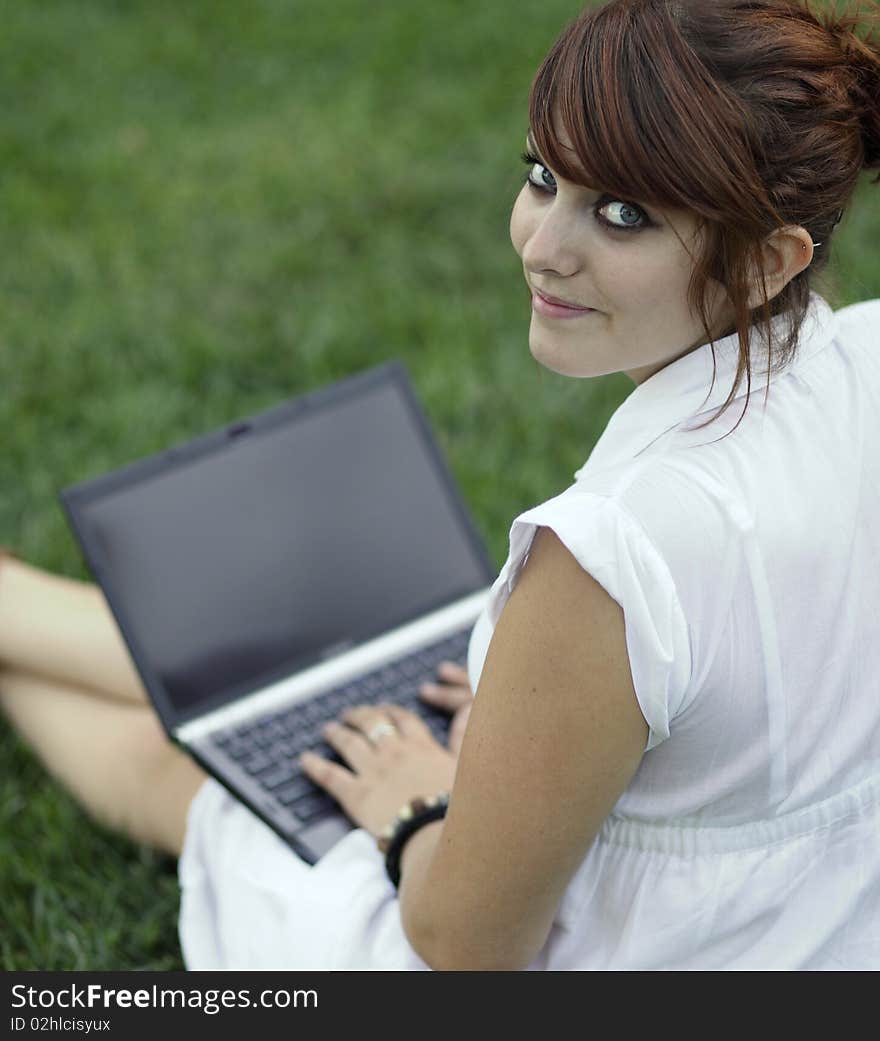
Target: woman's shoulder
<point x="665" y="525"/>
<point x="682" y="492"/>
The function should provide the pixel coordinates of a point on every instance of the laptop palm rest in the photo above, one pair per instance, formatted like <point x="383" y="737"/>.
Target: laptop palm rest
<point x="319" y="837"/>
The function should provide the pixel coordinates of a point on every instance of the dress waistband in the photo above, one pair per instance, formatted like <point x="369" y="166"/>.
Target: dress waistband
<point x="684" y="838"/>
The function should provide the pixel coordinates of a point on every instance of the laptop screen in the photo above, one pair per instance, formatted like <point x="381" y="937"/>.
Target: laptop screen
<point x="275" y="543"/>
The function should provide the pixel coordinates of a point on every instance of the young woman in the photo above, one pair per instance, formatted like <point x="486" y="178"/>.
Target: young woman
<point x="673" y="757"/>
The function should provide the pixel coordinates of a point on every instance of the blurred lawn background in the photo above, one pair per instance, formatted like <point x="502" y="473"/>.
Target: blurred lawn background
<point x="210" y="207"/>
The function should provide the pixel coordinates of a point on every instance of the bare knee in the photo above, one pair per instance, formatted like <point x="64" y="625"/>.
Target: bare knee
<point x="116" y="760"/>
<point x="160" y="782"/>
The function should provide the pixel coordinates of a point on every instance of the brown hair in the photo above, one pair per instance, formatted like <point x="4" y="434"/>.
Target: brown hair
<point x="751" y="114"/>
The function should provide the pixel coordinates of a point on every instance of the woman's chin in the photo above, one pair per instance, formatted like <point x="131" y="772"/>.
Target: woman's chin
<point x="560" y="362"/>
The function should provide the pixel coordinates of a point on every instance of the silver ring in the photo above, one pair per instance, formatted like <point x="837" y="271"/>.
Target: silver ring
<point x="380" y="730"/>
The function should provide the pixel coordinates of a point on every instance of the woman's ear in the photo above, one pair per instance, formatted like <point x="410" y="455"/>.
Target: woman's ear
<point x="784" y="254"/>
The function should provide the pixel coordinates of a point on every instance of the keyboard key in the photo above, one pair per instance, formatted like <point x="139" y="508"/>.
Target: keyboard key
<point x="261" y="739"/>
<point x="279" y="775"/>
<point x="389" y="676"/>
<point x="301" y="740"/>
<point x="401" y="696"/>
<point x="311" y="806"/>
<point x="313" y="710"/>
<point x="290" y="721"/>
<point x="298" y="787"/>
<point x="335" y="702"/>
<point x="276" y="731"/>
<point x="256" y="763"/>
<point x="237" y="748"/>
<point x="410" y="668"/>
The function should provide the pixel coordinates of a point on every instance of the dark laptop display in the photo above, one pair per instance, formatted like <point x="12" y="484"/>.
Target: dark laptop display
<point x="279" y="542"/>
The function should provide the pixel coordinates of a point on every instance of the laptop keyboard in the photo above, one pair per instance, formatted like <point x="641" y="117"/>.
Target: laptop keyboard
<point x="267" y="747"/>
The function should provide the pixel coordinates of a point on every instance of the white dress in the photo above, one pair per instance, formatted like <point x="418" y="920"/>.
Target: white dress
<point x="748" y="571"/>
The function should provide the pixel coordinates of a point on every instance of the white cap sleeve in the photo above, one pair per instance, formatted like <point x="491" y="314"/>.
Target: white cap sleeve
<point x="608" y="543"/>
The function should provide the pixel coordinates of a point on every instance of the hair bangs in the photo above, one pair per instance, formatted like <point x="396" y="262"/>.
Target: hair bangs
<point x="587" y="105"/>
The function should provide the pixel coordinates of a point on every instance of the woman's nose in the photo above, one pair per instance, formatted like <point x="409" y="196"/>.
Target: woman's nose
<point x="552" y="243"/>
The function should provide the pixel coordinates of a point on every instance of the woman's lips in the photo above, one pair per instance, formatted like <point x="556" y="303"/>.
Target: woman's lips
<point x="553" y="309"/>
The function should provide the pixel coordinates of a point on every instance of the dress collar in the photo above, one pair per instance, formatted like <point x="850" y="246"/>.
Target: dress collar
<point x="680" y="391"/>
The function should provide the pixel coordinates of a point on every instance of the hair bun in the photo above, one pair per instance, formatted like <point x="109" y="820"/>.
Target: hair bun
<point x="868" y="98"/>
<point x="862" y="57"/>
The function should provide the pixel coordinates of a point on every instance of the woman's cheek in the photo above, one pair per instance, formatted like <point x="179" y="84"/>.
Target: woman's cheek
<point x="519" y="222"/>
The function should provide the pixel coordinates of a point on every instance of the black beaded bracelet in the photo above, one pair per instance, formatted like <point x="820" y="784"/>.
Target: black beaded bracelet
<point x="417" y="813"/>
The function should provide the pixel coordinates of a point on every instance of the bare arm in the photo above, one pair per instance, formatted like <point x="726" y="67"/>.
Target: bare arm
<point x="554" y="737"/>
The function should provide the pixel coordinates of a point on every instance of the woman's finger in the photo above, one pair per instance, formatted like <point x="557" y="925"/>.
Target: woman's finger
<point x="353" y="745"/>
<point x="408" y="723"/>
<point x="371" y="721"/>
<point x="333" y="778"/>
<point x="452" y="672"/>
<point x="444" y="696"/>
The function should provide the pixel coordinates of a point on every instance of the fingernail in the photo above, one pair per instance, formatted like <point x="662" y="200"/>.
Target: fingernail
<point x="428" y="688"/>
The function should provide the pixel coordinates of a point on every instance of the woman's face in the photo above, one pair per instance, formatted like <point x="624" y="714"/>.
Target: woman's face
<point x="621" y="260"/>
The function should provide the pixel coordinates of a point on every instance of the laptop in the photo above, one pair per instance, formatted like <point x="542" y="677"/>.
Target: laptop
<point x="270" y="573"/>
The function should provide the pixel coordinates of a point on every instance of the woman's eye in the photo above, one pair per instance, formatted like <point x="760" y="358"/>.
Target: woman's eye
<point x="538" y="176"/>
<point x="623" y="215"/>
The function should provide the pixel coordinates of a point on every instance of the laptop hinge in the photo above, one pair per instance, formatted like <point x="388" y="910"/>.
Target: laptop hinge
<point x="328" y="674"/>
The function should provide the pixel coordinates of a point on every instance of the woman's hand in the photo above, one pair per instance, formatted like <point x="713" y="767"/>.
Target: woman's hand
<point x="455" y="696"/>
<point x="390" y="754"/>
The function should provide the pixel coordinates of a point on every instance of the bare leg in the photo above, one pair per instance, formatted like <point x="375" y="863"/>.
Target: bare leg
<point x="113" y="758"/>
<point x="63" y="630"/>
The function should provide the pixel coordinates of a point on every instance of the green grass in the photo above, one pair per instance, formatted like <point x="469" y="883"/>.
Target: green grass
<point x="210" y="207"/>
